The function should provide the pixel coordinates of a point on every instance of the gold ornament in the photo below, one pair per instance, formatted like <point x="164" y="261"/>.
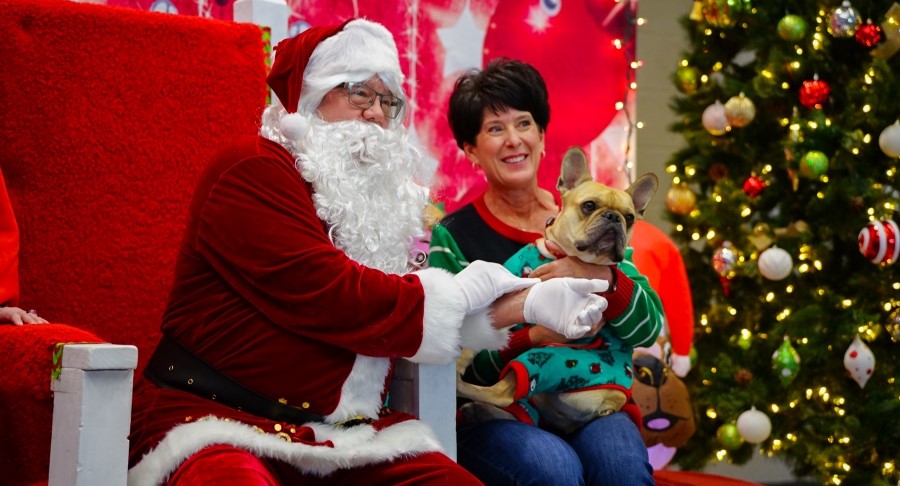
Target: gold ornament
<point x="722" y="13"/>
<point x="740" y="110"/>
<point x="893" y="325"/>
<point x="891" y="29"/>
<point x="680" y="199"/>
<point x="760" y="237"/>
<point x="697" y="11"/>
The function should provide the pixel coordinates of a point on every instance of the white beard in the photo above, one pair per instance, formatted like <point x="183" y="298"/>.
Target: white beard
<point x="363" y="178"/>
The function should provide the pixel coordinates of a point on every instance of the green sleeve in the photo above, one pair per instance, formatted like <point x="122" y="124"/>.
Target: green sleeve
<point x="641" y="323"/>
<point x="443" y="251"/>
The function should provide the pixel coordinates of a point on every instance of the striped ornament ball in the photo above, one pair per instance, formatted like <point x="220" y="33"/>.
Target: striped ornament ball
<point x="879" y="242"/>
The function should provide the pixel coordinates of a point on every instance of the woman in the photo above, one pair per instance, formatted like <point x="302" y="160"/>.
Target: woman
<point x="499" y="118"/>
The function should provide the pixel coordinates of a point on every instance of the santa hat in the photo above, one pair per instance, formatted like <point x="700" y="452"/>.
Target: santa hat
<point x="309" y="65"/>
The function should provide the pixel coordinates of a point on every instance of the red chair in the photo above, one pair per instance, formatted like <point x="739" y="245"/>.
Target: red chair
<point x="108" y="115"/>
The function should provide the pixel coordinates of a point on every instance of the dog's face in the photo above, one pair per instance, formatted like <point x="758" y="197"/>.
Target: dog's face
<point x="595" y="222"/>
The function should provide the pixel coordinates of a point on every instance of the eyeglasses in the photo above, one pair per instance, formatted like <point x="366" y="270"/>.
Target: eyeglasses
<point x="362" y="96"/>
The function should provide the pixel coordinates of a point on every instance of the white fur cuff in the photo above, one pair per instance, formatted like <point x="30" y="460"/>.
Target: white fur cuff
<point x="478" y="332"/>
<point x="444" y="312"/>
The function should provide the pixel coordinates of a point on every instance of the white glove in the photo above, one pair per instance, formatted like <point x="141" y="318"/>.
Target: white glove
<point x="483" y="282"/>
<point x="566" y="305"/>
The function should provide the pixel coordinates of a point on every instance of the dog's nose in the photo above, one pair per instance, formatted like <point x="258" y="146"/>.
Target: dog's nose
<point x="611" y="216"/>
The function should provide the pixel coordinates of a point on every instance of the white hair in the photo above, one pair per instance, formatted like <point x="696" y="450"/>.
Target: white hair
<point x="364" y="184"/>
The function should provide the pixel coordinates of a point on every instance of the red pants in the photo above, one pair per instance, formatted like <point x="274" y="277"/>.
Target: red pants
<point x="225" y="465"/>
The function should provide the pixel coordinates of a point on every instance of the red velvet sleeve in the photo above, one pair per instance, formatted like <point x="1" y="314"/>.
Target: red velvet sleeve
<point x="257" y="226"/>
<point x="9" y="250"/>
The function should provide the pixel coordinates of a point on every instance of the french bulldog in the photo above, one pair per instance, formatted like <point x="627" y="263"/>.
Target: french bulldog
<point x="594" y="225"/>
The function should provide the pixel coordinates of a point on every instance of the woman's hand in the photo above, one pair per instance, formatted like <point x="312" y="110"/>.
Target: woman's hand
<point x="19" y="316"/>
<point x="571" y="267"/>
<point x="541" y="335"/>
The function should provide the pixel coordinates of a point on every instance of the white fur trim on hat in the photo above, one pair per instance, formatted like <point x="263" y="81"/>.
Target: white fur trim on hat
<point x="356" y="53"/>
<point x="294" y="126"/>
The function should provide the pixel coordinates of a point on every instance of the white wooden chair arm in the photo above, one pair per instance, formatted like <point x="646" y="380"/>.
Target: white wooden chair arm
<point x="92" y="415"/>
<point x="428" y="392"/>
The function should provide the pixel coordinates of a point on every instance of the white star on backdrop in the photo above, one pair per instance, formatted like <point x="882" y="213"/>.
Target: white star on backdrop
<point x="463" y="44"/>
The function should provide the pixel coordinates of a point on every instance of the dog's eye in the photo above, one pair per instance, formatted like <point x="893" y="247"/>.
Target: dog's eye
<point x="550" y="221"/>
<point x="588" y="207"/>
<point x="629" y="219"/>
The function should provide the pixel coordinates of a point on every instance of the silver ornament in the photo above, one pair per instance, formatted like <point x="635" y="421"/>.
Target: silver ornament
<point x="844" y="20"/>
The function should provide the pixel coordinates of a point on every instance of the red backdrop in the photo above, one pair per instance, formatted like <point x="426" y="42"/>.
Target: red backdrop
<point x="571" y="43"/>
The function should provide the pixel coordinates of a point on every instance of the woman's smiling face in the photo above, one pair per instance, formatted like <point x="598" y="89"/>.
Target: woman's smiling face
<point x="508" y="148"/>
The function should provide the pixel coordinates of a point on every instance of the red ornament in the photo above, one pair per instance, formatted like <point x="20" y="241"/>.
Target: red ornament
<point x="754" y="186"/>
<point x="869" y="35"/>
<point x="879" y="242"/>
<point x="813" y="93"/>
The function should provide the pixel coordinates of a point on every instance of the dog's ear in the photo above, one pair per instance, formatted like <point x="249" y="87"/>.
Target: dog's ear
<point x="642" y="191"/>
<point x="574" y="170"/>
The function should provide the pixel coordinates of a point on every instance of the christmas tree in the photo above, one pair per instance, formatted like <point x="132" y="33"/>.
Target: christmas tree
<point x="783" y="201"/>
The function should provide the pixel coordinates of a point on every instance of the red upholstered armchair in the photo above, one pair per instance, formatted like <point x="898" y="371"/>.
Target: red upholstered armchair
<point x="107" y="116"/>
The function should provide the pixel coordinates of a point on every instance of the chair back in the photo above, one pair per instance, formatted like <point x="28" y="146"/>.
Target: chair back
<point x="108" y="115"/>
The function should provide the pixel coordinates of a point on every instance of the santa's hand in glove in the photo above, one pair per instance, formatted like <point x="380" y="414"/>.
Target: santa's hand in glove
<point x="566" y="305"/>
<point x="483" y="282"/>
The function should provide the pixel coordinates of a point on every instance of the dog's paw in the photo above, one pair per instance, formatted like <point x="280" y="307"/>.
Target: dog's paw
<point x="479" y="412"/>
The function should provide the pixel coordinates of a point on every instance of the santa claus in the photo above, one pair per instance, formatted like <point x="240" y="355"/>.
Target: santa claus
<point x="292" y="292"/>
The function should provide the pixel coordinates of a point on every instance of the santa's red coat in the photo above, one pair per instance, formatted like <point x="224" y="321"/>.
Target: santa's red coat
<point x="262" y="294"/>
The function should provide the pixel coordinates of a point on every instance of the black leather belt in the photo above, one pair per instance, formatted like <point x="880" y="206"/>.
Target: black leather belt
<point x="172" y="366"/>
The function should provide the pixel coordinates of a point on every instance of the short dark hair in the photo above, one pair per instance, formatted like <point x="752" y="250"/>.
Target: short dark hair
<point x="503" y="84"/>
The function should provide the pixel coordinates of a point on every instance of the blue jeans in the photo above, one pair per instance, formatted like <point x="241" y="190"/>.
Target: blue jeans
<point x="606" y="452"/>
